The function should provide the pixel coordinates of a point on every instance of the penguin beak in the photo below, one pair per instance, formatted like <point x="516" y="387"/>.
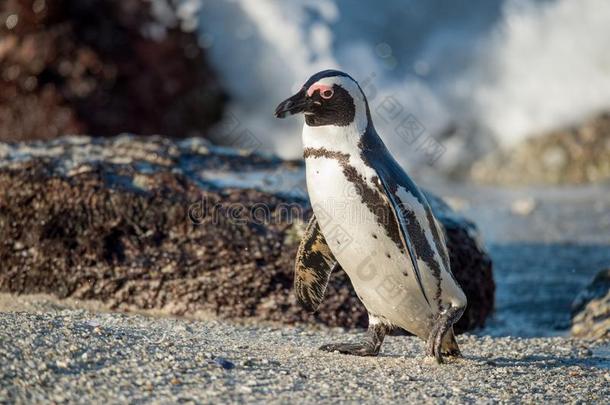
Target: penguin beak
<point x="296" y="104"/>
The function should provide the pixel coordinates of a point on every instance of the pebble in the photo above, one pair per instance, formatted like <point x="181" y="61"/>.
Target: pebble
<point x="224" y="363"/>
<point x="281" y="367"/>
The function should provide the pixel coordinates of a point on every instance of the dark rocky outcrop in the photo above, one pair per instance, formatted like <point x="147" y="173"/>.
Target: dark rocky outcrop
<point x="100" y="67"/>
<point x="179" y="227"/>
<point x="591" y="309"/>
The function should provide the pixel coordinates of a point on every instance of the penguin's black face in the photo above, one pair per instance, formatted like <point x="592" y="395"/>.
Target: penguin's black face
<point x="330" y="106"/>
<point x="322" y="101"/>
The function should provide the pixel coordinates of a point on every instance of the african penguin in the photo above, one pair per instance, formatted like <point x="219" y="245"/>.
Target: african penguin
<point x="371" y="220"/>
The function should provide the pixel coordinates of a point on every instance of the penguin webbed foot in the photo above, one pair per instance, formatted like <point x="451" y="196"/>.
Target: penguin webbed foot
<point x="443" y="325"/>
<point x="355" y="349"/>
<point x="455" y="353"/>
<point x="370" y="346"/>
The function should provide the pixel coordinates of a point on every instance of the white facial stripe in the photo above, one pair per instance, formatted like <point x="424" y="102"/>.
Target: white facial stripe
<point x="345" y="82"/>
<point x="318" y="86"/>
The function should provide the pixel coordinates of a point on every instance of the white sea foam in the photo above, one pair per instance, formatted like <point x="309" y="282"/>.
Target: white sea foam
<point x="546" y="66"/>
<point x="503" y="70"/>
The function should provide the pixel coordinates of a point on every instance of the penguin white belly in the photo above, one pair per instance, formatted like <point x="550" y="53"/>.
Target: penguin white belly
<point x="379" y="271"/>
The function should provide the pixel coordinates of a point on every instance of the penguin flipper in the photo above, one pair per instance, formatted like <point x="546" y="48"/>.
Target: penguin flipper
<point x="314" y="264"/>
<point x="413" y="214"/>
<point x="399" y="214"/>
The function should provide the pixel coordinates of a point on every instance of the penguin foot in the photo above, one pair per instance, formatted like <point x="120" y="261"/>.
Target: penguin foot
<point x="450" y="347"/>
<point x="443" y="325"/>
<point x="433" y="348"/>
<point x="355" y="349"/>
<point x="371" y="344"/>
<point x="455" y="353"/>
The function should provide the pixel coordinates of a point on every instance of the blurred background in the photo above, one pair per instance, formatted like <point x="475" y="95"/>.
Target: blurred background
<point x="500" y="107"/>
<point x="479" y="80"/>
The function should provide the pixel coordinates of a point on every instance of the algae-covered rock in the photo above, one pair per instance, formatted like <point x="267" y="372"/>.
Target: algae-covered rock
<point x="182" y="228"/>
<point x="101" y="67"/>
<point x="572" y="156"/>
<point x="591" y="309"/>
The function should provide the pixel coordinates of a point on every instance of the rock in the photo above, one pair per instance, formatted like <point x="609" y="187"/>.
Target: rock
<point x="591" y="309"/>
<point x="181" y="228"/>
<point x="224" y="363"/>
<point x="100" y="67"/>
<point x="572" y="156"/>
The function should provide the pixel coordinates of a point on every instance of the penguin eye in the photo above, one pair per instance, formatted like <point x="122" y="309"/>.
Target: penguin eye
<point x="326" y="94"/>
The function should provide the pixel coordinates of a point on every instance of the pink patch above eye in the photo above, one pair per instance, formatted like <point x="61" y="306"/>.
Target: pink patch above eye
<point x="318" y="86"/>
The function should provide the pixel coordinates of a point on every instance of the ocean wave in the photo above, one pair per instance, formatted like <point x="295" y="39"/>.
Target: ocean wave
<point x="497" y="71"/>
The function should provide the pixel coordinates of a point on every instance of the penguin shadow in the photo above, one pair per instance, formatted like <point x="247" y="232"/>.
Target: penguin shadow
<point x="543" y="361"/>
<point x="600" y="358"/>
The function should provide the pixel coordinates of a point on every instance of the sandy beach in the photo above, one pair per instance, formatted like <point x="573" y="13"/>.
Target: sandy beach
<point x="56" y="355"/>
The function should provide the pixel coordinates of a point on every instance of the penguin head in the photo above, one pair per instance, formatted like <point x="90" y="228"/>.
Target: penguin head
<point x="329" y="97"/>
